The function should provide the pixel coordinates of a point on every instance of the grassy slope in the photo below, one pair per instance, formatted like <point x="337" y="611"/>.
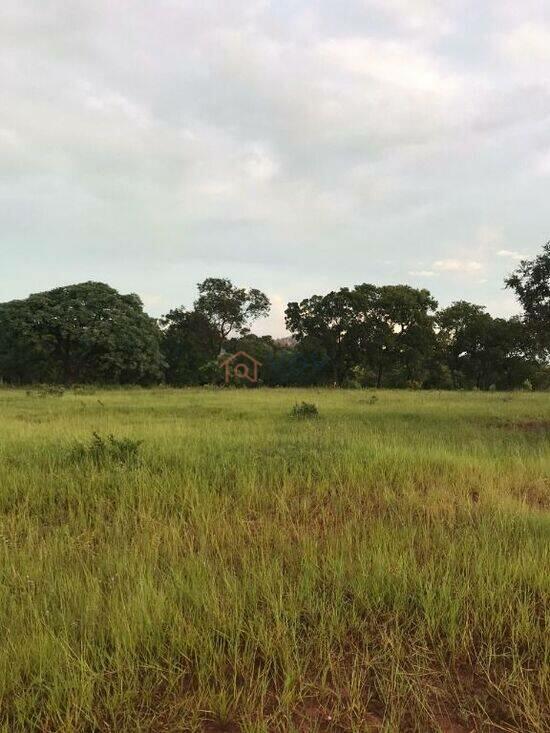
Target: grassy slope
<point x="385" y="564"/>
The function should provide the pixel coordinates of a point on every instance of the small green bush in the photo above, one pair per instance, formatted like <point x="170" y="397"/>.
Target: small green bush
<point x="100" y="450"/>
<point x="305" y="410"/>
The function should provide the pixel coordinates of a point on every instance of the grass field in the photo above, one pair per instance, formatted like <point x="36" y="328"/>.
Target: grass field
<point x="385" y="566"/>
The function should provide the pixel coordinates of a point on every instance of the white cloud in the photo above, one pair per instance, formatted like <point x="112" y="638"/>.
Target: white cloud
<point x="151" y="301"/>
<point x="418" y="15"/>
<point x="542" y="163"/>
<point x="388" y="62"/>
<point x="155" y="147"/>
<point x="454" y="265"/>
<point x="526" y="44"/>
<point x="488" y="236"/>
<point x="510" y="254"/>
<point x="260" y="165"/>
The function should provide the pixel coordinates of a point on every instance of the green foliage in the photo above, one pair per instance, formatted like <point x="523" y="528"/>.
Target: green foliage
<point x="193" y="339"/>
<point x="531" y="284"/>
<point x="329" y="321"/>
<point x="368" y="336"/>
<point x="189" y="345"/>
<point x="386" y="330"/>
<point x="103" y="450"/>
<point x="482" y="350"/>
<point x="79" y="333"/>
<point x="228" y="308"/>
<point x="305" y="410"/>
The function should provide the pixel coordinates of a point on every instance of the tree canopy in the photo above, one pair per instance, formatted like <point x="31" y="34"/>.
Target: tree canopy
<point x="79" y="333"/>
<point x="368" y="335"/>
<point x="229" y="308"/>
<point x="531" y="283"/>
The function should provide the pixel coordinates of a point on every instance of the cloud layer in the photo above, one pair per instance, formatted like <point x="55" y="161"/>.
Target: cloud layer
<point x="292" y="146"/>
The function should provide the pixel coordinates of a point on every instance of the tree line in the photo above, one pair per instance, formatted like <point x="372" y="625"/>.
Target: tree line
<point x="369" y="335"/>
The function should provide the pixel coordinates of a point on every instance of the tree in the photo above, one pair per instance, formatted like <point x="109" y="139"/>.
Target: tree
<point x="21" y="361"/>
<point x="395" y="331"/>
<point x="482" y="351"/>
<point x="461" y="328"/>
<point x="383" y="330"/>
<point x="531" y="283"/>
<point x="228" y="308"/>
<point x="80" y="333"/>
<point x="189" y="343"/>
<point x="329" y="321"/>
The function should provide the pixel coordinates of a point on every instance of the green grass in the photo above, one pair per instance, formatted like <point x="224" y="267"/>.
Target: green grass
<point x="384" y="566"/>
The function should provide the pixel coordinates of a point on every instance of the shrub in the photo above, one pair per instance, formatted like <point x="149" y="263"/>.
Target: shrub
<point x="84" y="389"/>
<point x="351" y="384"/>
<point x="46" y="390"/>
<point x="305" y="410"/>
<point x="101" y="450"/>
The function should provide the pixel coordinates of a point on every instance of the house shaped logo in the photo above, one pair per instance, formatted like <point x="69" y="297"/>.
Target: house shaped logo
<point x="241" y="366"/>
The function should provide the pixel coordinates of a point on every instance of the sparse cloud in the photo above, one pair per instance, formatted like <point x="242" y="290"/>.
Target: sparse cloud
<point x="263" y="140"/>
<point x="510" y="254"/>
<point x="454" y="265"/>
<point x="526" y="43"/>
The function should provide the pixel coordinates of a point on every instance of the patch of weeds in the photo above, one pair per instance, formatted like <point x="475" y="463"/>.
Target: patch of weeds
<point x="46" y="390"/>
<point x="100" y="450"/>
<point x="305" y="410"/>
<point x="84" y="389"/>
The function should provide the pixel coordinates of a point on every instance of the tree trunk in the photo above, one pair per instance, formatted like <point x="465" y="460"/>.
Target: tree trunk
<point x="379" y="377"/>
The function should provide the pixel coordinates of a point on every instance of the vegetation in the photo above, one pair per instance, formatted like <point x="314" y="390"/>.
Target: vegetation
<point x="384" y="567"/>
<point x="305" y="410"/>
<point x="368" y="336"/>
<point x="79" y="333"/>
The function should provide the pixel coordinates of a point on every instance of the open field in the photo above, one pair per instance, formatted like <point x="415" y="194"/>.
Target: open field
<point x="385" y="566"/>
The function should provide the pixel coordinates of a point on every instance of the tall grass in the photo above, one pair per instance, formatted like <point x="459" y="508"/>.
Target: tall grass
<point x="385" y="566"/>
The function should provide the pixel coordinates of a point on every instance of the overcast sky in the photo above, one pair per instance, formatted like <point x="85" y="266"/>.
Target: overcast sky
<point x="292" y="145"/>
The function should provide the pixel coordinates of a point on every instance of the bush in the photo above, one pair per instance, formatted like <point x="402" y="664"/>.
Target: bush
<point x="351" y="384"/>
<point x="101" y="450"/>
<point x="46" y="390"/>
<point x="305" y="410"/>
<point x="84" y="389"/>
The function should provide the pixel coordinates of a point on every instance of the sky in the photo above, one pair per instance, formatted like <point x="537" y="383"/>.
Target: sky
<point x="294" y="146"/>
